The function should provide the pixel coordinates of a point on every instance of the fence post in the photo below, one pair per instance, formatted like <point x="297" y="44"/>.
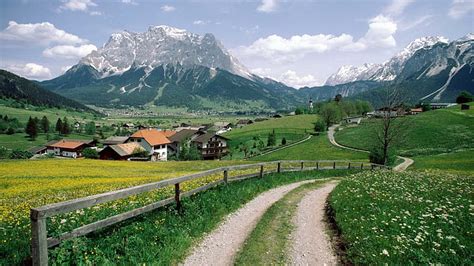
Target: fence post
<point x="334" y="165"/>
<point x="279" y="167"/>
<point x="362" y="166"/>
<point x="371" y="167"/>
<point x="177" y="196"/>
<point x="317" y="165"/>
<point x="39" y="244"/>
<point x="261" y="171"/>
<point x="226" y="176"/>
<point x="349" y="167"/>
<point x="302" y="166"/>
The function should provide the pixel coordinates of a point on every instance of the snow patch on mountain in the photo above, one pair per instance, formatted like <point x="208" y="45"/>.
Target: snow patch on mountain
<point x="161" y="45"/>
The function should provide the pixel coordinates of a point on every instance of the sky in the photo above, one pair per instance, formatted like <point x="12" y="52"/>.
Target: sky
<point x="298" y="42"/>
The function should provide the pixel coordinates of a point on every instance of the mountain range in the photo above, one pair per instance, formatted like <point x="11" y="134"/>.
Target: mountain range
<point x="173" y="67"/>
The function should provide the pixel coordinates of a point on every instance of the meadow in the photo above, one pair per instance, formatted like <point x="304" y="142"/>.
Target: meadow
<point x="22" y="114"/>
<point x="392" y="218"/>
<point x="32" y="183"/>
<point x="26" y="184"/>
<point x="292" y="128"/>
<point x="432" y="132"/>
<point x="316" y="148"/>
<point x="22" y="142"/>
<point x="457" y="162"/>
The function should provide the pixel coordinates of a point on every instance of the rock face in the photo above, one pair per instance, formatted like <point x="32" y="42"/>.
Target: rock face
<point x="161" y="45"/>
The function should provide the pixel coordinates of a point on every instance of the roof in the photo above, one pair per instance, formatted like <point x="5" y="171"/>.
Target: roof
<point x="221" y="124"/>
<point x="244" y="121"/>
<point x="416" y="110"/>
<point x="205" y="137"/>
<point x="152" y="136"/>
<point x="126" y="149"/>
<point x="182" y="135"/>
<point x="114" y="140"/>
<point x="36" y="149"/>
<point x="168" y="133"/>
<point x="69" y="144"/>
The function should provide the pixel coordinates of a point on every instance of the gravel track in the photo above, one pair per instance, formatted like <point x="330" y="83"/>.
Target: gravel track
<point x="310" y="244"/>
<point x="222" y="244"/>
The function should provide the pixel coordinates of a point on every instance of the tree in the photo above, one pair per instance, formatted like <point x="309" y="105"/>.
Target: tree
<point x="31" y="128"/>
<point x="20" y="154"/>
<point x="283" y="141"/>
<point x="299" y="111"/>
<point x="66" y="129"/>
<point x="90" y="128"/>
<point x="320" y="126"/>
<point x="391" y="129"/>
<point x="44" y="124"/>
<point x="90" y="153"/>
<point x="338" y="98"/>
<point x="59" y="125"/>
<point x="330" y="114"/>
<point x="271" y="141"/>
<point x="10" y="131"/>
<point x="245" y="149"/>
<point x="464" y="97"/>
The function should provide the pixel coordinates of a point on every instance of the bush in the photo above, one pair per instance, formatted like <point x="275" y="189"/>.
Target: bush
<point x="283" y="141"/>
<point x="464" y="97"/>
<point x="320" y="126"/>
<point x="10" y="131"/>
<point x="20" y="154"/>
<point x="90" y="153"/>
<point x="376" y="156"/>
<point x="4" y="153"/>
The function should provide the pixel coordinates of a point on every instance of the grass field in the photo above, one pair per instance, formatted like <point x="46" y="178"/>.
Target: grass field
<point x="22" y="141"/>
<point x="458" y="162"/>
<point x="292" y="128"/>
<point x="433" y="132"/>
<point x="32" y="183"/>
<point x="317" y="148"/>
<point x="26" y="184"/>
<point x="395" y="218"/>
<point x="52" y="113"/>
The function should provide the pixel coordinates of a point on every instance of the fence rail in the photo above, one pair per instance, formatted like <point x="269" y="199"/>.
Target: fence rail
<point x="40" y="241"/>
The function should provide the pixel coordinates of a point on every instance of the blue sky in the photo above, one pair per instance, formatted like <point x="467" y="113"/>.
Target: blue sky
<point x="297" y="42"/>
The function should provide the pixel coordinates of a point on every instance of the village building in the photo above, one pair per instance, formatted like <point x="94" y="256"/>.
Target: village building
<point x="40" y="150"/>
<point x="389" y="112"/>
<point x="154" y="141"/>
<point x="114" y="140"/>
<point x="180" y="138"/>
<point x="211" y="146"/>
<point x="244" y="122"/>
<point x="353" y="120"/>
<point x="122" y="151"/>
<point x="441" y="105"/>
<point x="69" y="148"/>
<point x="415" y="111"/>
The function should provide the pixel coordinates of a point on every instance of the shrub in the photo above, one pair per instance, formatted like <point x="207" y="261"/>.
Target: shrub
<point x="320" y="126"/>
<point x="283" y="141"/>
<point x="90" y="153"/>
<point x="20" y="154"/>
<point x="4" y="153"/>
<point x="10" y="131"/>
<point x="376" y="156"/>
<point x="464" y="97"/>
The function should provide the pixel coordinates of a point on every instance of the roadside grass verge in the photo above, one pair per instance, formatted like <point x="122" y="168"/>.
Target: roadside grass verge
<point x="165" y="237"/>
<point x="316" y="148"/>
<point x="268" y="242"/>
<point x="399" y="218"/>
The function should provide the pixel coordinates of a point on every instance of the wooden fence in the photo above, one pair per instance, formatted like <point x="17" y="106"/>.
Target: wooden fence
<point x="40" y="241"/>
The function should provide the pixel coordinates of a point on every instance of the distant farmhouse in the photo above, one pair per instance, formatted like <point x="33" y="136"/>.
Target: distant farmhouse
<point x="122" y="151"/>
<point x="69" y="148"/>
<point x="212" y="146"/>
<point x="244" y="122"/>
<point x="154" y="141"/>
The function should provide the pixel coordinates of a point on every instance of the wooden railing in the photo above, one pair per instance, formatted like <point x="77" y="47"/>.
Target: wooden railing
<point x="40" y="241"/>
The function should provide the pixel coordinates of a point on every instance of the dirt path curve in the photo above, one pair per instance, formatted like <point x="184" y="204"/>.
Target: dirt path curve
<point x="310" y="244"/>
<point x="222" y="244"/>
<point x="398" y="168"/>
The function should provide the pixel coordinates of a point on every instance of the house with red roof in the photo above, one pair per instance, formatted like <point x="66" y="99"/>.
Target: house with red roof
<point x="154" y="141"/>
<point x="69" y="147"/>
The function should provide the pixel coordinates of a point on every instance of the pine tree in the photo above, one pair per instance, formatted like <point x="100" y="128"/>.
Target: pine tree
<point x="44" y="124"/>
<point x="59" y="125"/>
<point x="271" y="139"/>
<point x="66" y="129"/>
<point x="31" y="128"/>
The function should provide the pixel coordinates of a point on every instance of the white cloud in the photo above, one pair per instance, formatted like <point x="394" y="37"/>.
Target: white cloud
<point x="292" y="79"/>
<point x="95" y="13"/>
<point x="65" y="68"/>
<point x="69" y="51"/>
<point x="129" y="2"/>
<point x="43" y="33"/>
<point x="77" y="5"/>
<point x="397" y="7"/>
<point x="460" y="8"/>
<point x="200" y="22"/>
<point x="267" y="6"/>
<point x="167" y="8"/>
<point x="424" y="20"/>
<point x="31" y="71"/>
<point x="380" y="33"/>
